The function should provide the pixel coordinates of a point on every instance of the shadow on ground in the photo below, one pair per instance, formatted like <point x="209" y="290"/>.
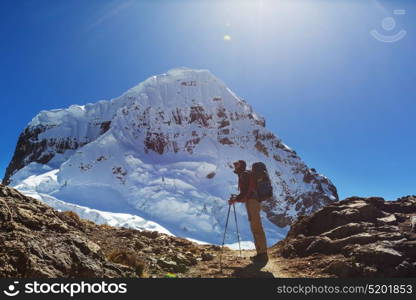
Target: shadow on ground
<point x="252" y="270"/>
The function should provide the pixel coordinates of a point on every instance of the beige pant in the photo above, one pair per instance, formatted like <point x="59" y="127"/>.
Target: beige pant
<point x="253" y="212"/>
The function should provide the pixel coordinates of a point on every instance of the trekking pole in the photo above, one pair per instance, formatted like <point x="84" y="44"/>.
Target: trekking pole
<point x="225" y="231"/>
<point x="238" y="234"/>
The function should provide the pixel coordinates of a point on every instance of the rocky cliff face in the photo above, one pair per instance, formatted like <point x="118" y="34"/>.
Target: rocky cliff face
<point x="37" y="241"/>
<point x="355" y="237"/>
<point x="164" y="149"/>
<point x="52" y="136"/>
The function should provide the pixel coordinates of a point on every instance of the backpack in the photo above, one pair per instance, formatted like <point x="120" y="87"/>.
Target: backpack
<point x="261" y="177"/>
<point x="251" y="183"/>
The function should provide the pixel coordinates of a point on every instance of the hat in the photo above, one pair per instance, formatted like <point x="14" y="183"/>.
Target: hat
<point x="240" y="162"/>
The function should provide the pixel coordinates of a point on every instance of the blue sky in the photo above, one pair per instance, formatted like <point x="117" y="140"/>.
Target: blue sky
<point x="345" y="101"/>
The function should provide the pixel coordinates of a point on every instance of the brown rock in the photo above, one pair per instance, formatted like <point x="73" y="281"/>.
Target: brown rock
<point x="342" y="269"/>
<point x="378" y="254"/>
<point x="207" y="256"/>
<point x="372" y="236"/>
<point x="345" y="230"/>
<point x="37" y="242"/>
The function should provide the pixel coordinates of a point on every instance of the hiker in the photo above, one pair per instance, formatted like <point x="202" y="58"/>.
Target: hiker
<point x="248" y="195"/>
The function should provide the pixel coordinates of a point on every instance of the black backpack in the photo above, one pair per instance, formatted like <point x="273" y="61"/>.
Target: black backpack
<point x="264" y="186"/>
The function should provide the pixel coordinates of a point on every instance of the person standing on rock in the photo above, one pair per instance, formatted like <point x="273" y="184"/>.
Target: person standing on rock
<point x="248" y="195"/>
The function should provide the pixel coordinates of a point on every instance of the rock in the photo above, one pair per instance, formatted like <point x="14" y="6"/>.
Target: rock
<point x="377" y="254"/>
<point x="288" y="251"/>
<point x="207" y="256"/>
<point x="182" y="242"/>
<point x="171" y="266"/>
<point x="5" y="214"/>
<point x="37" y="242"/>
<point x="408" y="248"/>
<point x="148" y="250"/>
<point x="345" y="230"/>
<point x="150" y="234"/>
<point x="370" y="213"/>
<point x="299" y="246"/>
<point x="389" y="220"/>
<point x="376" y="201"/>
<point x="152" y="260"/>
<point x="157" y="250"/>
<point x="388" y="236"/>
<point x="87" y="247"/>
<point x="361" y="238"/>
<point x="129" y="258"/>
<point x="369" y="231"/>
<point x="180" y="258"/>
<point x="369" y="271"/>
<point x="388" y="228"/>
<point x="215" y="247"/>
<point x="320" y="245"/>
<point x="138" y="245"/>
<point x="404" y="269"/>
<point x="342" y="269"/>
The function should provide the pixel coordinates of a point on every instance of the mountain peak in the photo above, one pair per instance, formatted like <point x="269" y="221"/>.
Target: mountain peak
<point x="185" y="70"/>
<point x="181" y="85"/>
<point x="164" y="149"/>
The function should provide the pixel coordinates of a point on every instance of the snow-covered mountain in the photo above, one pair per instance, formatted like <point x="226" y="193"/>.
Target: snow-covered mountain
<point x="163" y="152"/>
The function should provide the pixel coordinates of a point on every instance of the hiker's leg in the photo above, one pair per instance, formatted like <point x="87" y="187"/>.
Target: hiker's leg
<point x="253" y="210"/>
<point x="250" y="213"/>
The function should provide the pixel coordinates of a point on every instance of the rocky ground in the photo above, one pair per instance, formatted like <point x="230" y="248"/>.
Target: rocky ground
<point x="38" y="241"/>
<point x="356" y="237"/>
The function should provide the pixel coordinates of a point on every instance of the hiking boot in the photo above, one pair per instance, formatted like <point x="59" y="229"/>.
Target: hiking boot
<point x="260" y="257"/>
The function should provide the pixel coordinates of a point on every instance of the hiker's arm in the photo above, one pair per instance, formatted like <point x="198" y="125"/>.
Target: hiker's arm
<point x="243" y="189"/>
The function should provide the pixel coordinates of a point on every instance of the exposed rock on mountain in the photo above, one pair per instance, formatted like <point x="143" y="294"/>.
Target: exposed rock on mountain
<point x="355" y="237"/>
<point x="37" y="241"/>
<point x="164" y="151"/>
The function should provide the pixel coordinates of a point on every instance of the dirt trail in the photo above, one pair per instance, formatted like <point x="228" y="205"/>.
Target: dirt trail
<point x="234" y="266"/>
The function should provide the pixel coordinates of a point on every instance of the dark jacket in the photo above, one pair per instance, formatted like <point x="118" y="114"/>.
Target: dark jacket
<point x="246" y="186"/>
